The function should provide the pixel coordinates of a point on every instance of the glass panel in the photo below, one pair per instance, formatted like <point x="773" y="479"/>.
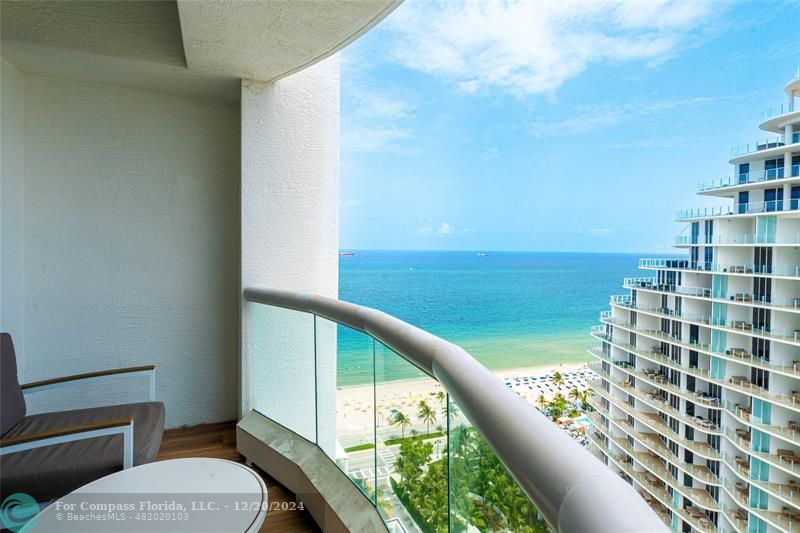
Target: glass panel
<point x="282" y="344"/>
<point x="412" y="445"/>
<point x="350" y="441"/>
<point x="483" y="495"/>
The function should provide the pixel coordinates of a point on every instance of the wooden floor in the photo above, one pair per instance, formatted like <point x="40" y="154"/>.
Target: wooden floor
<point x="219" y="440"/>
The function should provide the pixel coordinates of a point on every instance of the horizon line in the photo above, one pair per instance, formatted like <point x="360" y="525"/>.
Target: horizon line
<point x="481" y="250"/>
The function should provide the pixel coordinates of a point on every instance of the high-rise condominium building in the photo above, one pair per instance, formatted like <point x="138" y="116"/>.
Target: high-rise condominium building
<point x="698" y="395"/>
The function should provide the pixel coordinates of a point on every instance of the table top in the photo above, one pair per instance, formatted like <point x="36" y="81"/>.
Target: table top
<point x="195" y="494"/>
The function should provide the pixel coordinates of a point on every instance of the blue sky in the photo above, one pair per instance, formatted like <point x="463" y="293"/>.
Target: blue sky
<point x="564" y="126"/>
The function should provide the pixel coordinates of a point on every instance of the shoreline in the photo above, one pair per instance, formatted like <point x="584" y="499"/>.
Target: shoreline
<point x="360" y="407"/>
<point x="498" y="354"/>
<point x="504" y="374"/>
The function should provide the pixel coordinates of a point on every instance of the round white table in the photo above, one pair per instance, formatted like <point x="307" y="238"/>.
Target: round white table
<point x="196" y="494"/>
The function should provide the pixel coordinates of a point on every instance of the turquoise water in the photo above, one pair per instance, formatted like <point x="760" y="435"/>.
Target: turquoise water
<point x="508" y="309"/>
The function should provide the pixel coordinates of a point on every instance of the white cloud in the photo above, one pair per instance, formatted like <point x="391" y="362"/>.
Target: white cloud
<point x="445" y="230"/>
<point x="593" y="117"/>
<point x="531" y="47"/>
<point x="379" y="120"/>
<point x="371" y="138"/>
<point x="381" y="105"/>
<point x="599" y="232"/>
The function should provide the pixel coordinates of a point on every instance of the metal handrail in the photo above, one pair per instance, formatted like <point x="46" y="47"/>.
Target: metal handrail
<point x="572" y="490"/>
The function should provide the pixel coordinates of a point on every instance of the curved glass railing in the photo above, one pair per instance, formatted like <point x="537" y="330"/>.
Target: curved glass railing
<point x="745" y="178"/>
<point x="715" y="268"/>
<point x="746" y="239"/>
<point x="776" y="111"/>
<point x="770" y="206"/>
<point x="764" y="144"/>
<point x="432" y="438"/>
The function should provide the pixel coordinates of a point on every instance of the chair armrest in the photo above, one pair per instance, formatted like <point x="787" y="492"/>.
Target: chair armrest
<point x="101" y="375"/>
<point x="88" y="430"/>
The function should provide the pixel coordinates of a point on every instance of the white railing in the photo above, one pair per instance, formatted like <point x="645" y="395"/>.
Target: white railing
<point x="745" y="239"/>
<point x="764" y="144"/>
<point x="744" y="178"/>
<point x="749" y="208"/>
<point x="777" y="110"/>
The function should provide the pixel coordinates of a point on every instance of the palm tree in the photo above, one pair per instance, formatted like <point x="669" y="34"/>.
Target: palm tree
<point x="426" y="414"/>
<point x="541" y="401"/>
<point x="557" y="405"/>
<point x="441" y="397"/>
<point x="585" y="399"/>
<point x="399" y="419"/>
<point x="557" y="379"/>
<point x="384" y="504"/>
<point x="575" y="394"/>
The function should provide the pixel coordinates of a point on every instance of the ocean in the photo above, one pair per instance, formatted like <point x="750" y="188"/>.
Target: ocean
<point x="508" y="309"/>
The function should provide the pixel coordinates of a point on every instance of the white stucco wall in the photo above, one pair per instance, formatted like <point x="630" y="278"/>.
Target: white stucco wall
<point x="131" y="213"/>
<point x="11" y="204"/>
<point x="290" y="220"/>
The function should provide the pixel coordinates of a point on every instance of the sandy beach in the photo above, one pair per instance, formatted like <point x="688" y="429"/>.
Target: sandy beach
<point x="354" y="409"/>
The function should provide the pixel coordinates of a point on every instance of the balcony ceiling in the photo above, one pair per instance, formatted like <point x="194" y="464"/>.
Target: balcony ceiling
<point x="265" y="40"/>
<point x="183" y="46"/>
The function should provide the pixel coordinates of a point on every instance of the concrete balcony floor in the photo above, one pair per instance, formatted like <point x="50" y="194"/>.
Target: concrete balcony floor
<point x="219" y="441"/>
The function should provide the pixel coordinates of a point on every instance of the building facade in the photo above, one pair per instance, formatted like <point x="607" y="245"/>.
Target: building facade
<point x="697" y="403"/>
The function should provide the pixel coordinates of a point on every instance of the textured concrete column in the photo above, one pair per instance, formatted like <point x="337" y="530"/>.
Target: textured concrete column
<point x="290" y="240"/>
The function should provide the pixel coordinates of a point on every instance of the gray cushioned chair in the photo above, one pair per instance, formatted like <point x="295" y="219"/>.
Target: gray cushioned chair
<point x="51" y="454"/>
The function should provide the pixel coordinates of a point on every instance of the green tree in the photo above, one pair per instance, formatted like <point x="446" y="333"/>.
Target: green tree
<point x="541" y="401"/>
<point x="575" y="394"/>
<point x="426" y="414"/>
<point x="483" y="495"/>
<point x="414" y="454"/>
<point x="441" y="397"/>
<point x="585" y="399"/>
<point x="557" y="379"/>
<point x="557" y="405"/>
<point x="384" y="504"/>
<point x="400" y="419"/>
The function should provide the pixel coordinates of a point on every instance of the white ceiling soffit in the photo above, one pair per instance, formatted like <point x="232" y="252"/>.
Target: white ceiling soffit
<point x="267" y="39"/>
<point x="142" y="30"/>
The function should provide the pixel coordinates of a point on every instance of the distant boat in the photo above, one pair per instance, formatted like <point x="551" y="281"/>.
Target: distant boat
<point x="481" y="254"/>
<point x="342" y="254"/>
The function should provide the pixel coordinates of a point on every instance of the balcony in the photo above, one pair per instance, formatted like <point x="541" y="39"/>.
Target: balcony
<point x="655" y="472"/>
<point x="651" y="284"/>
<point x="764" y="144"/>
<point x="656" y="449"/>
<point x="364" y="428"/>
<point x="657" y="380"/>
<point x="789" y="432"/>
<point x="788" y="493"/>
<point x="699" y="520"/>
<point x="748" y="239"/>
<point x="737" y="383"/>
<point x="654" y="422"/>
<point x="750" y="208"/>
<point x="748" y="178"/>
<point x="776" y="111"/>
<point x="742" y="269"/>
<point x="174" y="153"/>
<point x="219" y="441"/>
<point x="658" y="402"/>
